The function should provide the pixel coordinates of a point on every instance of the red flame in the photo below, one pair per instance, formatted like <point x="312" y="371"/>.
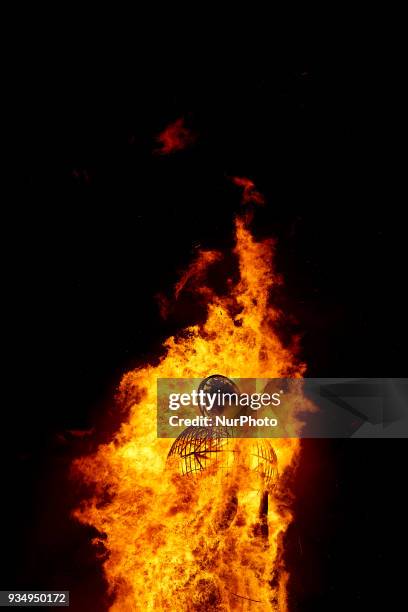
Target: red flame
<point x="249" y="194"/>
<point x="175" y="137"/>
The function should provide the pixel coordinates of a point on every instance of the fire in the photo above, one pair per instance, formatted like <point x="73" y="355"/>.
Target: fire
<point x="194" y="543"/>
<point x="175" y="137"/>
<point x="249" y="191"/>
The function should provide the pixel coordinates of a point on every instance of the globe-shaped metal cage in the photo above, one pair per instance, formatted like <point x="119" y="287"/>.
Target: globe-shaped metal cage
<point x="202" y="449"/>
<point x="217" y="383"/>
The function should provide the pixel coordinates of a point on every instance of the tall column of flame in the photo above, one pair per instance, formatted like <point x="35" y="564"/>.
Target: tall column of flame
<point x="166" y="550"/>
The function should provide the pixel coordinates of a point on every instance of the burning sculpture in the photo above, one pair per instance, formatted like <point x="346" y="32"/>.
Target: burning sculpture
<point x="213" y="541"/>
<point x="198" y="449"/>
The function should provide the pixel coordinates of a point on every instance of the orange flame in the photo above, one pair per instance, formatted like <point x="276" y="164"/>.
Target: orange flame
<point x="175" y="137"/>
<point x="191" y="543"/>
<point x="249" y="193"/>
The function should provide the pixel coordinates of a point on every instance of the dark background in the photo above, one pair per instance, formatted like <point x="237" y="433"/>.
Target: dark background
<point x="103" y="225"/>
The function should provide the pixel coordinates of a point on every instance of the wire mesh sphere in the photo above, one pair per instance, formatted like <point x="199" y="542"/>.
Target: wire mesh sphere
<point x="217" y="385"/>
<point x="263" y="461"/>
<point x="200" y="448"/>
<point x="213" y="449"/>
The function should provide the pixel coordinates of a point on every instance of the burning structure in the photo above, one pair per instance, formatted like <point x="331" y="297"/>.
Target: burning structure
<point x="213" y="540"/>
<point x="200" y="449"/>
